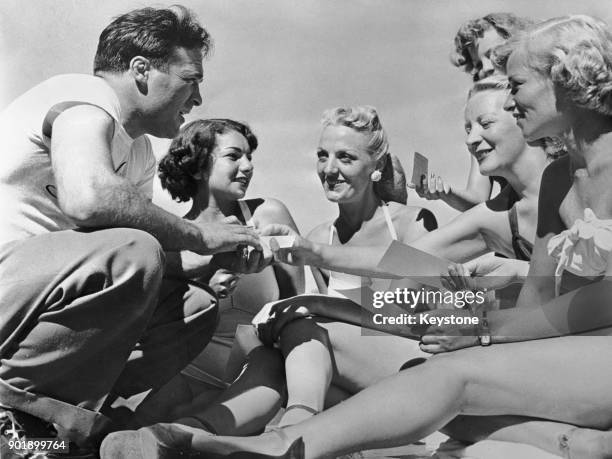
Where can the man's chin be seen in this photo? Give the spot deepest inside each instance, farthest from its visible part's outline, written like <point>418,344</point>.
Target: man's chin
<point>165,132</point>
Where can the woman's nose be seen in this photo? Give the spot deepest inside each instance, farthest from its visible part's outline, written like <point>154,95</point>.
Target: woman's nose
<point>509,104</point>
<point>246,165</point>
<point>486,68</point>
<point>331,167</point>
<point>473,139</point>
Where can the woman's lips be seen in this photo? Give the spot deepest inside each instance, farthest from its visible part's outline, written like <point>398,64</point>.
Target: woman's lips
<point>482,154</point>
<point>334,184</point>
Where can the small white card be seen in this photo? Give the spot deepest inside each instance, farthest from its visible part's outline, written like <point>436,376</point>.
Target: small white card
<point>284,242</point>
<point>407,261</point>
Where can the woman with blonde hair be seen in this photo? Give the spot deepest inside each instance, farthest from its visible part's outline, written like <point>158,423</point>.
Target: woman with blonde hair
<point>367,182</point>
<point>473,46</point>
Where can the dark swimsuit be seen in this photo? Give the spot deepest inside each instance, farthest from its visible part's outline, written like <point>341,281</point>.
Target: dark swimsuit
<point>506,201</point>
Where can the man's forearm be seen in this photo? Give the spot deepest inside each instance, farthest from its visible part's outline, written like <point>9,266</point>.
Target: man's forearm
<point>120,204</point>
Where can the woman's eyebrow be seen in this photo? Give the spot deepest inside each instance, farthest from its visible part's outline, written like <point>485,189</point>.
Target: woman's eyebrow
<point>233,148</point>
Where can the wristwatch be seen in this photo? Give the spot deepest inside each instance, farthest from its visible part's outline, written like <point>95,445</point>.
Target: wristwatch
<point>484,334</point>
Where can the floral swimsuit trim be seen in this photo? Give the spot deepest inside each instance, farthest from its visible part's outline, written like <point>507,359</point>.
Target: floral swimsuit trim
<point>583,249</point>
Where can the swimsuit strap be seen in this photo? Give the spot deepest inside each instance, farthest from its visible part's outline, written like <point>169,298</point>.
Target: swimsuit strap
<point>246,213</point>
<point>513,219</point>
<point>521,246</point>
<point>392,231</point>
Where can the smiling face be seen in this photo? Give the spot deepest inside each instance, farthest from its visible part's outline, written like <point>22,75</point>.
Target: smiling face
<point>532,100</point>
<point>232,167</point>
<point>345,164</point>
<point>480,53</point>
<point>493,137</point>
<point>172,93</point>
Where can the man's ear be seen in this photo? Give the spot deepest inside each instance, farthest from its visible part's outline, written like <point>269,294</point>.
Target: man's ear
<point>139,70</point>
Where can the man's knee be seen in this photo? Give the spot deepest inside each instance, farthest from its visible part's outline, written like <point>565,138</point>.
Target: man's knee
<point>140,249</point>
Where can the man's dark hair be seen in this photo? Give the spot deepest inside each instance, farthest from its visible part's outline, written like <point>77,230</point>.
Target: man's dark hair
<point>152,33</point>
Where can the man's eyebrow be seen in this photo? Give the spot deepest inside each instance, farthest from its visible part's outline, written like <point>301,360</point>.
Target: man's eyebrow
<point>191,73</point>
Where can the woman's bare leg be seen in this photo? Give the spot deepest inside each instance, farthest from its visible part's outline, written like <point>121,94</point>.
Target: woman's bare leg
<point>355,361</point>
<point>308,369</point>
<point>554,437</point>
<point>561,379</point>
<point>363,357</point>
<point>251,400</point>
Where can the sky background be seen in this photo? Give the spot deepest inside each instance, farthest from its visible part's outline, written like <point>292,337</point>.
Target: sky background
<point>278,64</point>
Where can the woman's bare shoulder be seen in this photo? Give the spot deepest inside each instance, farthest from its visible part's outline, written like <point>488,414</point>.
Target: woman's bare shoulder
<point>320,233</point>
<point>269,210</point>
<point>405,215</point>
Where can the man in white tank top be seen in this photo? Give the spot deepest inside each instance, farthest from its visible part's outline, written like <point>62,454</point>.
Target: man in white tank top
<point>82,248</point>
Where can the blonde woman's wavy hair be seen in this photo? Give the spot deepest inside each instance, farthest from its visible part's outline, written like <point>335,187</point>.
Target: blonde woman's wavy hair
<point>493,82</point>
<point>365,119</point>
<point>575,52</point>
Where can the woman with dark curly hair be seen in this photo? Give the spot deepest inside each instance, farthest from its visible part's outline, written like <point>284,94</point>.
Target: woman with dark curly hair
<point>210,163</point>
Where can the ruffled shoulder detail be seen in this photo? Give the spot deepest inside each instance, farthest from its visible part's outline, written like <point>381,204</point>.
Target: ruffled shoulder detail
<point>584,248</point>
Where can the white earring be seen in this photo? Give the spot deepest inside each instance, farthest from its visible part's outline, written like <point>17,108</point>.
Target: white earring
<point>376,176</point>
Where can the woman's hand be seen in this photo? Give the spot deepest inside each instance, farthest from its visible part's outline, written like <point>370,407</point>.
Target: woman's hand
<point>244,260</point>
<point>485,273</point>
<point>432,187</point>
<point>273,317</point>
<point>224,282</point>
<point>302,252</point>
<point>447,338</point>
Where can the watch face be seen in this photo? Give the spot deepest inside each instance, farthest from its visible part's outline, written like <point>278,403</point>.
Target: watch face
<point>485,340</point>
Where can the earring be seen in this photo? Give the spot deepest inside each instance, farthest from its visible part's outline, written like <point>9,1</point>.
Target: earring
<point>376,176</point>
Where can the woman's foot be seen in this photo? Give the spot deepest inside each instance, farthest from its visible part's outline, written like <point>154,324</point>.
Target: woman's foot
<point>579,443</point>
<point>273,444</point>
<point>159,441</point>
<point>166,441</point>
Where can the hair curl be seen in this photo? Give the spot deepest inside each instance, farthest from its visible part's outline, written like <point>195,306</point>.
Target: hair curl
<point>153,33</point>
<point>190,154</point>
<point>493,82</point>
<point>575,53</point>
<point>365,119</point>
<point>505,24</point>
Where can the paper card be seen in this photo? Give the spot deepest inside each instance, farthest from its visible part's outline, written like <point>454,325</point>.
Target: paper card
<point>419,169</point>
<point>283,241</point>
<point>406,261</point>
